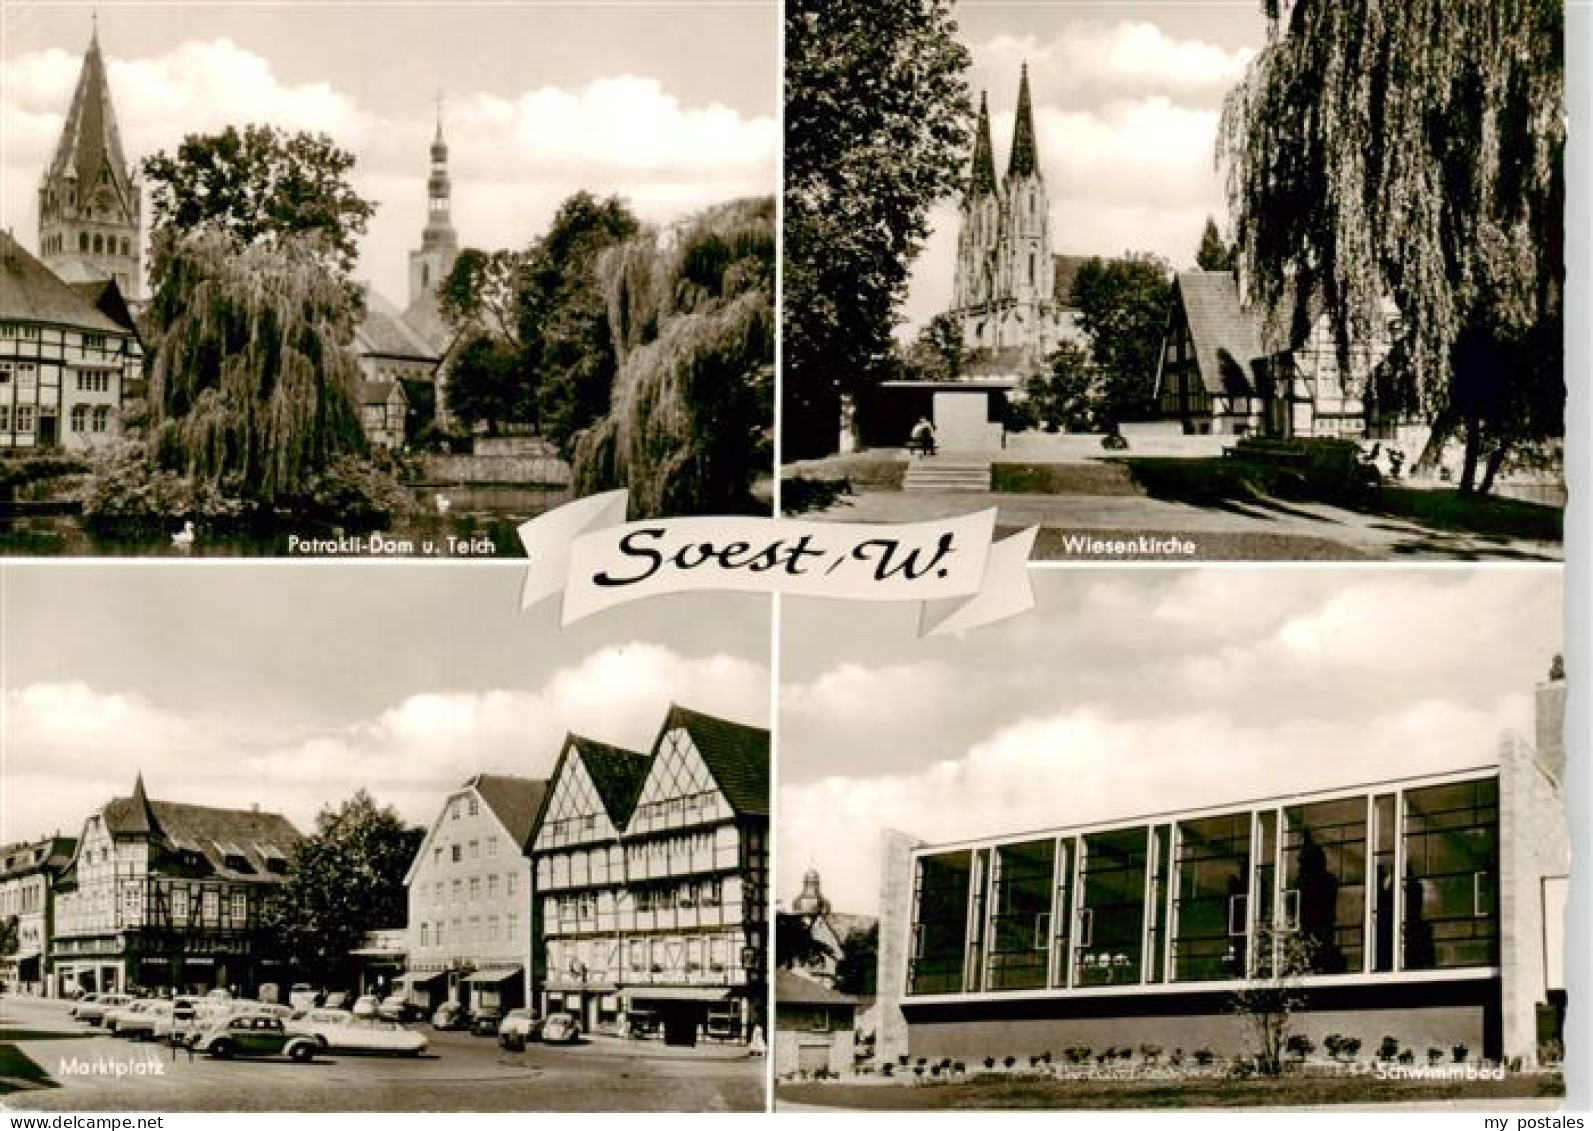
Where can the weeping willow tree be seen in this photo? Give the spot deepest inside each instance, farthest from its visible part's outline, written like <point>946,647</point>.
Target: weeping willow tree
<point>690,313</point>
<point>253,373</point>
<point>1411,150</point>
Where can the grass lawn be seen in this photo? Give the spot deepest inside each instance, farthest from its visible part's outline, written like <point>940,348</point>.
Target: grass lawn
<point>1222,483</point>
<point>1020,1092</point>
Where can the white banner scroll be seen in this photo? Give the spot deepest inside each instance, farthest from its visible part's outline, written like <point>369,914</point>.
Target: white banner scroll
<point>588,550</point>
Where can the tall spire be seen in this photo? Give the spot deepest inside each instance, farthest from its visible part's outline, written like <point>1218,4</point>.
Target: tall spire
<point>439,233</point>
<point>142,818</point>
<point>983,178</point>
<point>90,144</point>
<point>1023,162</point>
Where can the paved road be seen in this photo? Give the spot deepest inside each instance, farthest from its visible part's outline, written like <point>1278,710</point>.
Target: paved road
<point>1238,532</point>
<point>459,1073</point>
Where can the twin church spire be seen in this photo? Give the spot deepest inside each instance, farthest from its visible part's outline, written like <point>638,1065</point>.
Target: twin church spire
<point>1023,160</point>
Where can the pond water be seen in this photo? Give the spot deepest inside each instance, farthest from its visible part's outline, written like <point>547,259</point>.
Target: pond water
<point>458,535</point>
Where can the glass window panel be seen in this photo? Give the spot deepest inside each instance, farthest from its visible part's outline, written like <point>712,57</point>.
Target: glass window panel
<point>1450,882</point>
<point>1019,916</point>
<point>1111,920</point>
<point>940,923</point>
<point>1211,886</point>
<point>1324,854</point>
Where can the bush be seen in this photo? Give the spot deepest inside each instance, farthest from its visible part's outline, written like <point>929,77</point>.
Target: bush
<point>1009,1061</point>
<point>1299,1046</point>
<point>1388,1049</point>
<point>1434,1055</point>
<point>800,494</point>
<point>1204,1057</point>
<point>1459,1053</point>
<point>1077,1054</point>
<point>1241,1068</point>
<point>1406,1056</point>
<point>1150,1054</point>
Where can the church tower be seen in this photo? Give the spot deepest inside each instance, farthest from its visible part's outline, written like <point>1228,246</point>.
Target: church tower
<point>439,244</point>
<point>90,206</point>
<point>974,283</point>
<point>1028,276</point>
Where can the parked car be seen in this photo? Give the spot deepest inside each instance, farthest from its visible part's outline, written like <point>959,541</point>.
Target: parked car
<point>395,1007</point>
<point>114,1019</point>
<point>302,996</point>
<point>518,1027</point>
<point>364,1006</point>
<point>337,999</point>
<point>484,1022</point>
<point>93,1012</point>
<point>255,1034</point>
<point>450,1015</point>
<point>561,1029</point>
<point>338,1030</point>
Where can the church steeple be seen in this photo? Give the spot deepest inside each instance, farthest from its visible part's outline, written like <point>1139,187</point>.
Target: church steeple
<point>439,243</point>
<point>1023,162</point>
<point>89,202</point>
<point>141,820</point>
<point>983,178</point>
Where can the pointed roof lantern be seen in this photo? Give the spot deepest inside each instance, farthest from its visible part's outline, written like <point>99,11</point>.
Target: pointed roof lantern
<point>140,819</point>
<point>982,180</point>
<point>91,144</point>
<point>1023,162</point>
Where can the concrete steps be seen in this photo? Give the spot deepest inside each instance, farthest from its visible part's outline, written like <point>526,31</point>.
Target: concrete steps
<point>947,473</point>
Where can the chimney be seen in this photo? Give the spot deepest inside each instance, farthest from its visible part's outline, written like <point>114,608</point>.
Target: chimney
<point>1549,712</point>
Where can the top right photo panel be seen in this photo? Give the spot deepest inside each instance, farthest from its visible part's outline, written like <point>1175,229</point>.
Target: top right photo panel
<point>1183,281</point>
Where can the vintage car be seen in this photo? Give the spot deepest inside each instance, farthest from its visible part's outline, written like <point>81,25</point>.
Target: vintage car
<point>136,1019</point>
<point>338,1030</point>
<point>517,1028</point>
<point>93,1012</point>
<point>255,1034</point>
<point>561,1029</point>
<point>484,1022</point>
<point>395,1007</point>
<point>450,1015</point>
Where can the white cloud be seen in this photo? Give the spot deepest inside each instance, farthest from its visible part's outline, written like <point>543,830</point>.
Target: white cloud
<point>1099,60</point>
<point>512,160</point>
<point>70,747</point>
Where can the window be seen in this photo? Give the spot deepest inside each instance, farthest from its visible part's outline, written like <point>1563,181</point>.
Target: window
<point>510,884</point>
<point>80,418</point>
<point>453,809</point>
<point>82,241</point>
<point>91,342</point>
<point>475,888</point>
<point>94,381</point>
<point>211,905</point>
<point>492,886</point>
<point>240,908</point>
<point>5,418</point>
<point>27,375</point>
<point>492,928</point>
<point>1324,879</point>
<point>99,243</point>
<point>102,418</point>
<point>513,927</point>
<point>474,806</point>
<point>1111,918</point>
<point>24,418</point>
<point>1020,916</point>
<point>425,935</point>
<point>436,855</point>
<point>1211,879</point>
<point>457,853</point>
<point>940,923</point>
<point>458,889</point>
<point>492,846</point>
<point>5,373</point>
<point>1451,914</point>
<point>475,850</point>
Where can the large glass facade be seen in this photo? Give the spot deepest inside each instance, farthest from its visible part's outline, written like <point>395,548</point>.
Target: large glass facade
<point>1451,876</point>
<point>1371,884</point>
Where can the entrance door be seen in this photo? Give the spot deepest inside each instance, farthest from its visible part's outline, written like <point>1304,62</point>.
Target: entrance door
<point>49,428</point>
<point>680,1020</point>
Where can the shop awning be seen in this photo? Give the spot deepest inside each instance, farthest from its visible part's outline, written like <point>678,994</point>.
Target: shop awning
<point>421,977</point>
<point>572,986</point>
<point>678,993</point>
<point>492,977</point>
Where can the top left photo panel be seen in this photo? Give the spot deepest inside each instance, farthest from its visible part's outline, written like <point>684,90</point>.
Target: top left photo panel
<point>380,280</point>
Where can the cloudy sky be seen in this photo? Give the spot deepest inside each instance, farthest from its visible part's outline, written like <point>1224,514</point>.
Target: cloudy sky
<point>1126,99</point>
<point>294,685</point>
<point>673,105</point>
<point>1132,691</point>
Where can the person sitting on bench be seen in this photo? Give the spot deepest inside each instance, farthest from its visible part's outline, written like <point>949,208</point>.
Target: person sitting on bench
<point>922,439</point>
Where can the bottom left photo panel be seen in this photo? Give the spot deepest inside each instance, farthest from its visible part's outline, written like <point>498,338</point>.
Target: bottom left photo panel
<point>357,838</point>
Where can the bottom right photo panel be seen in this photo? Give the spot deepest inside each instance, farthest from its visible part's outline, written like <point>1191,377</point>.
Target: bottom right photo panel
<point>1177,838</point>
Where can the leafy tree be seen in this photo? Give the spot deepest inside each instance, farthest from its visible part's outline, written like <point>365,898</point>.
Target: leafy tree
<point>937,354</point>
<point>1122,306</point>
<point>10,935</point>
<point>1268,1001</point>
<point>562,314</point>
<point>344,881</point>
<point>1413,150</point>
<point>483,290</point>
<point>251,365</point>
<point>794,944</point>
<point>258,184</point>
<point>857,968</point>
<point>691,320</point>
<point>1215,253</point>
<point>1065,396</point>
<point>487,383</point>
<point>877,125</point>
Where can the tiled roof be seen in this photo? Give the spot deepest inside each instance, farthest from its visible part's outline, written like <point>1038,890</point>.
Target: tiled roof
<point>514,801</point>
<point>376,392</point>
<point>30,292</point>
<point>791,988</point>
<point>616,773</point>
<point>90,148</point>
<point>425,320</point>
<point>1225,334</point>
<point>207,830</point>
<point>383,331</point>
<point>106,297</point>
<point>736,755</point>
<point>50,852</point>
